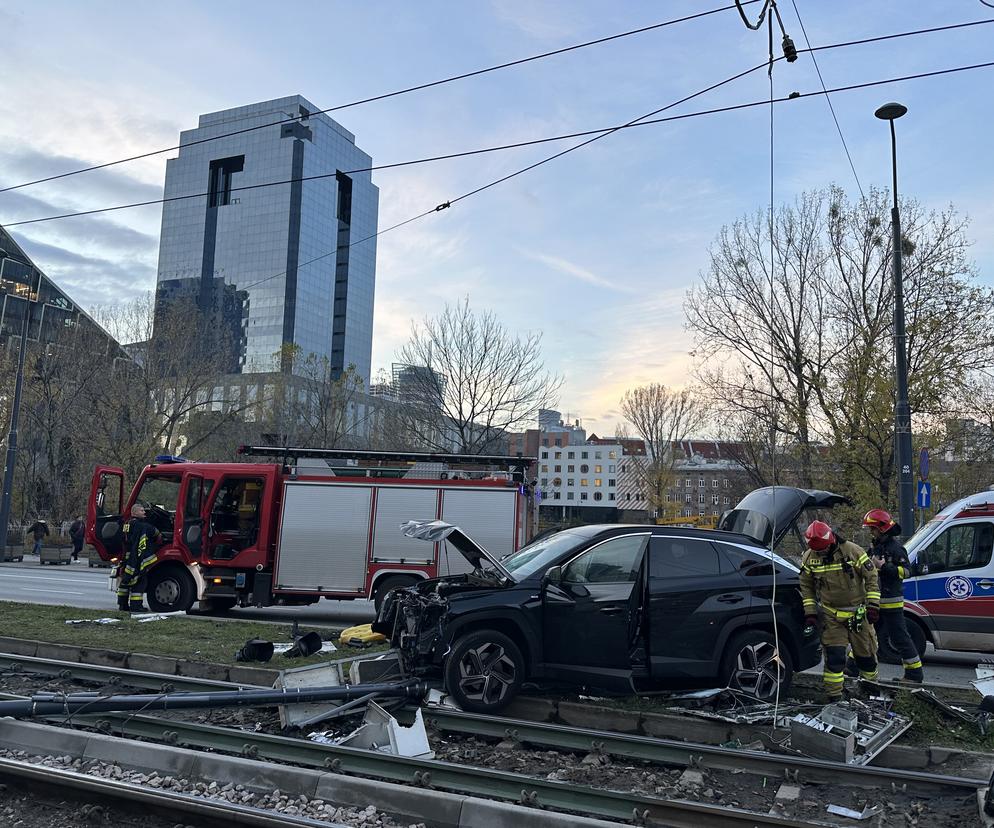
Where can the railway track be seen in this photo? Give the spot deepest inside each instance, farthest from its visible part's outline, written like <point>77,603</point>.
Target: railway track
<point>498,784</point>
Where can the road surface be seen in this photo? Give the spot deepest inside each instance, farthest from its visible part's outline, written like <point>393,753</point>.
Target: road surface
<point>79,586</point>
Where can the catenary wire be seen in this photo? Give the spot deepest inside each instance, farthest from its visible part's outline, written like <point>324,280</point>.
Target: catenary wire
<point>645,120</point>
<point>765,102</point>
<point>384,96</point>
<point>828,100</point>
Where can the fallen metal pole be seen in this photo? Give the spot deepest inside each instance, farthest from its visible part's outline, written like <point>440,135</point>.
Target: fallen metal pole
<point>48,704</point>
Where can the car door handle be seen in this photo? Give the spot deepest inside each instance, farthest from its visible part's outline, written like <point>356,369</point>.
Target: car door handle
<point>611,610</point>
<point>985,584</point>
<point>730,599</point>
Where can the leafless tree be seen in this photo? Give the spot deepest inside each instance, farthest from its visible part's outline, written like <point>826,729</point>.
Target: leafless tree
<point>471,381</point>
<point>662,417</point>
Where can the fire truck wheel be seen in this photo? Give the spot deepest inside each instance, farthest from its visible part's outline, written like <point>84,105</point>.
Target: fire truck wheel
<point>170,589</point>
<point>390,583</point>
<point>484,671</point>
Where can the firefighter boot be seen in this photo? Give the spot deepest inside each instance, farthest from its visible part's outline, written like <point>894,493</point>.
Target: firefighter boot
<point>122,600</point>
<point>135,603</point>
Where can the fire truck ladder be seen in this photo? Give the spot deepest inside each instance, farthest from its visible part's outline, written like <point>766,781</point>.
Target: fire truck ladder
<point>373,459</point>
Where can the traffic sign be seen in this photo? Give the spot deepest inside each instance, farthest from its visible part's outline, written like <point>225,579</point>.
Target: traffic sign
<point>923,464</point>
<point>924,494</point>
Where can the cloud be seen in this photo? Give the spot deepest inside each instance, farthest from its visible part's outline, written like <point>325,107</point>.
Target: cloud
<point>568,268</point>
<point>540,22</point>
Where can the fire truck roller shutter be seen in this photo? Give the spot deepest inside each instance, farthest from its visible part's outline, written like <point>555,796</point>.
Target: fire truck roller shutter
<point>324,537</point>
<point>486,515</point>
<point>394,506</point>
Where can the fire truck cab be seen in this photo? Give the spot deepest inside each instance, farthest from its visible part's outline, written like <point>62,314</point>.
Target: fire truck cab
<point>317,523</point>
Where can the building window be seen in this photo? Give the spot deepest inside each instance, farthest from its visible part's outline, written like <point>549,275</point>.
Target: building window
<point>702,513</point>
<point>725,482</point>
<point>597,481</point>
<point>714,499</point>
<point>545,482</point>
<point>688,497</point>
<point>700,483</point>
<point>583,495</point>
<point>583,455</point>
<point>545,468</point>
<point>597,455</point>
<point>612,455</point>
<point>598,469</point>
<point>640,496</point>
<point>714,483</point>
<point>559,456</point>
<point>598,495</point>
<point>687,513</point>
<point>545,455</point>
<point>584,481</point>
<point>545,442</point>
<point>558,481</point>
<point>628,496</point>
<point>559,441</point>
<point>686,483</point>
<point>558,468</point>
<point>570,455</point>
<point>610,468</point>
<point>569,495</point>
<point>623,467</point>
<point>221,173</point>
<point>610,495</point>
<point>714,512</point>
<point>555,495</point>
<point>610,481</point>
<point>669,497</point>
<point>571,482</point>
<point>584,468</point>
<point>571,469</point>
<point>727,501</point>
<point>700,497</point>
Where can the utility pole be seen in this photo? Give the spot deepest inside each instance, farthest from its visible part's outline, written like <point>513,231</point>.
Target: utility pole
<point>902,410</point>
<point>8,475</point>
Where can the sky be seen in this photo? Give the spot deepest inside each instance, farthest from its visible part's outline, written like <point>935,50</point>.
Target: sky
<point>595,250</point>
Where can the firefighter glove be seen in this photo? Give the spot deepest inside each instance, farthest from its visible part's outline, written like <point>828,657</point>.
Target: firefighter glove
<point>810,621</point>
<point>872,614</point>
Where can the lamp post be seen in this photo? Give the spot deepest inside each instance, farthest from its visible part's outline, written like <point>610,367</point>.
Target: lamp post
<point>902,410</point>
<point>8,475</point>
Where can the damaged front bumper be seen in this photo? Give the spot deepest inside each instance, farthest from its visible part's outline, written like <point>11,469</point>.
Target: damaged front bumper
<point>415,623</point>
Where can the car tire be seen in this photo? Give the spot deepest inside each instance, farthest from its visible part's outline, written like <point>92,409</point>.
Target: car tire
<point>484,671</point>
<point>170,589</point>
<point>748,664</point>
<point>388,585</point>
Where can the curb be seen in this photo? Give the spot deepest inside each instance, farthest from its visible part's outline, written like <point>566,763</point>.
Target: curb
<point>437,808</point>
<point>140,661</point>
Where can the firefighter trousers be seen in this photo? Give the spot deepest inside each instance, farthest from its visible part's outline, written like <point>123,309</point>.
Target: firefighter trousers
<point>894,628</point>
<point>131,593</point>
<point>836,638</point>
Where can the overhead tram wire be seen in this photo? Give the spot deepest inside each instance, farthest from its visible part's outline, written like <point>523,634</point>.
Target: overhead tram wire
<point>828,99</point>
<point>601,132</point>
<point>406,90</point>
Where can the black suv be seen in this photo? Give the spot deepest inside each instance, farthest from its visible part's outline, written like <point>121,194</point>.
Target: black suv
<point>613,607</point>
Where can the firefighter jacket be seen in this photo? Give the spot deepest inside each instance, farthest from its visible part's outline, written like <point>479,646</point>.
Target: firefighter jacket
<point>141,539</point>
<point>895,569</point>
<point>840,579</point>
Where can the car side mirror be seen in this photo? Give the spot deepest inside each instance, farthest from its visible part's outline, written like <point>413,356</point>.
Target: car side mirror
<point>553,575</point>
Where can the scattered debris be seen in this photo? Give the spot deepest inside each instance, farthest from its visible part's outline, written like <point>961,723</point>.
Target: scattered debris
<point>285,648</point>
<point>255,649</point>
<point>94,621</point>
<point>361,636</point>
<point>381,731</point>
<point>867,812</point>
<point>725,704</point>
<point>851,731</point>
<point>439,698</point>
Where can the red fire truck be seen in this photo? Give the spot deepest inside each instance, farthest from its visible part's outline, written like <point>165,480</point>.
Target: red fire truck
<point>310,523</point>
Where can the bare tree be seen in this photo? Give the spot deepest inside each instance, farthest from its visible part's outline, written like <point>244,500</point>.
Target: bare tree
<point>662,417</point>
<point>471,381</point>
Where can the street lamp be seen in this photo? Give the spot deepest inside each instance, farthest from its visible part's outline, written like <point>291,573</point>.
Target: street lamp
<point>902,410</point>
<point>8,475</point>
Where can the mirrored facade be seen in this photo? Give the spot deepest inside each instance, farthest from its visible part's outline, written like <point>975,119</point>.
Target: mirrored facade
<point>293,263</point>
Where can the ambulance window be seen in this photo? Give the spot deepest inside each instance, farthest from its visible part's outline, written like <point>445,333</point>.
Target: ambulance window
<point>961,547</point>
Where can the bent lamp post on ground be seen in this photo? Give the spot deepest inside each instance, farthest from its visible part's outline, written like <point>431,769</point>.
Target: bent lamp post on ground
<point>902,410</point>
<point>8,476</point>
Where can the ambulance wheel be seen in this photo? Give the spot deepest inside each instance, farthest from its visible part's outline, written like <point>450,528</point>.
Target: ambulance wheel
<point>389,584</point>
<point>484,671</point>
<point>750,664</point>
<point>170,589</point>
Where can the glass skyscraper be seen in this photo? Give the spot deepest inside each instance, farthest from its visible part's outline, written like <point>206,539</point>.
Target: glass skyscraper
<point>293,263</point>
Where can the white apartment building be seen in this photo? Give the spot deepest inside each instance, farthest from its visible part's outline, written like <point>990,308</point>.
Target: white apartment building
<point>584,476</point>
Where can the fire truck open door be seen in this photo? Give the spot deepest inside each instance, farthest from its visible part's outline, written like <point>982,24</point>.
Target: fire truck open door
<point>105,512</point>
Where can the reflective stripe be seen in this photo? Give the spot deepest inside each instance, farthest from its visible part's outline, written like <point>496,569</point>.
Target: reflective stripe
<point>833,678</point>
<point>871,595</point>
<point>862,559</point>
<point>902,572</point>
<point>892,604</point>
<point>148,562</point>
<point>913,665</point>
<point>810,602</point>
<point>825,568</point>
<point>838,613</point>
<point>869,676</point>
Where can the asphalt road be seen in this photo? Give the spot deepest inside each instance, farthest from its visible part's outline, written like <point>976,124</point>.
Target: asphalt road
<point>77,585</point>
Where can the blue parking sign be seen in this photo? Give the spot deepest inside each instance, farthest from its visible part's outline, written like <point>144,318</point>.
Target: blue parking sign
<point>924,494</point>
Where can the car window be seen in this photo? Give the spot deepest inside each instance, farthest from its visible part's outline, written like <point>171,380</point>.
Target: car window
<point>966,546</point>
<point>540,555</point>
<point>615,561</point>
<point>683,557</point>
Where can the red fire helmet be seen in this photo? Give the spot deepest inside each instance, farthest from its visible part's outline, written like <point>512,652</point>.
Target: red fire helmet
<point>878,518</point>
<point>819,536</point>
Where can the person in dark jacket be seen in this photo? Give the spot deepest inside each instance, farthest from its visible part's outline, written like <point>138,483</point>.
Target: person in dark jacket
<point>891,560</point>
<point>39,531</point>
<point>77,532</point>
<point>141,539</point>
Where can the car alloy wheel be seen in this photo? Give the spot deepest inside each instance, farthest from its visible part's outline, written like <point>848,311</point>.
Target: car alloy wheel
<point>485,673</point>
<point>758,670</point>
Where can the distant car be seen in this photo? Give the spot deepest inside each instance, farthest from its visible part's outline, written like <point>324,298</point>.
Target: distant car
<point>613,607</point>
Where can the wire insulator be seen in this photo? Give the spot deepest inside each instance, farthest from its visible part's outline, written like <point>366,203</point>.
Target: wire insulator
<point>789,49</point>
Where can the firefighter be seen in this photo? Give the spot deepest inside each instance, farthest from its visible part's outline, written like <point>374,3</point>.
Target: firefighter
<point>839,576</point>
<point>141,539</point>
<point>891,560</point>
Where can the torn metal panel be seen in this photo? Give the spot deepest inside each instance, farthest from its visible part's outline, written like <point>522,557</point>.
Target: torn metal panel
<point>381,731</point>
<point>853,731</point>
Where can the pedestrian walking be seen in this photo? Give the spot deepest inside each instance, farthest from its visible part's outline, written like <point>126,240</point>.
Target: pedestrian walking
<point>891,560</point>
<point>141,539</point>
<point>77,533</point>
<point>838,578</point>
<point>39,531</point>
